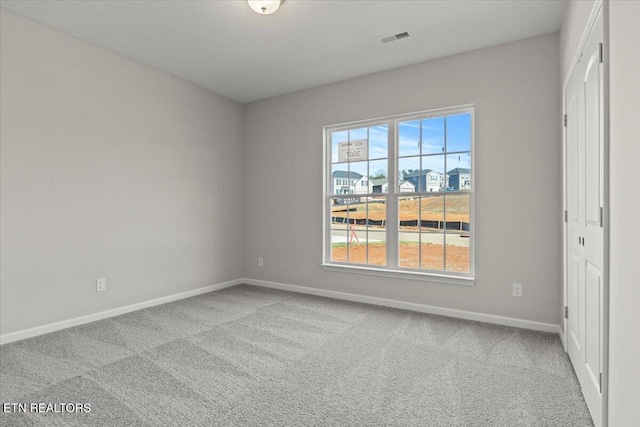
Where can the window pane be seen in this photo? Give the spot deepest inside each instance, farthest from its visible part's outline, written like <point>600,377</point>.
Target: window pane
<point>377,247</point>
<point>432,257</point>
<point>345,181</point>
<point>409,171</point>
<point>349,230</point>
<point>358,174</point>
<point>339,245</point>
<point>336,139</point>
<point>363,185</point>
<point>433,177</point>
<point>377,213</point>
<point>339,214</point>
<point>348,146</point>
<point>408,238</point>
<point>359,183</point>
<point>458,228</point>
<point>458,212</point>
<point>339,178</point>
<point>357,233</point>
<point>459,132</point>
<point>376,231</point>
<point>432,213</point>
<point>459,171</point>
<point>378,176</point>
<point>378,142</point>
<point>408,249</point>
<point>408,212</point>
<point>340,219</point>
<point>433,135</point>
<point>458,255</point>
<point>409,138</point>
<point>357,250</point>
<point>354,150</point>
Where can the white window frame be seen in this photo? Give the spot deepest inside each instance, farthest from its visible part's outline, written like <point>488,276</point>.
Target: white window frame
<point>392,269</point>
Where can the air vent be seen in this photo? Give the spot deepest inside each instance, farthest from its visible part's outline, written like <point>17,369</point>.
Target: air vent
<point>394,37</point>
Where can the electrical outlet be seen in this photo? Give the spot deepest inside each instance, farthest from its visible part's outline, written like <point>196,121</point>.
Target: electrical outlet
<point>260,262</point>
<point>517,290</point>
<point>101,284</point>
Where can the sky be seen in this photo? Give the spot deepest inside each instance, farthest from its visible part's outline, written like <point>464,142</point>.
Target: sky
<point>418,140</point>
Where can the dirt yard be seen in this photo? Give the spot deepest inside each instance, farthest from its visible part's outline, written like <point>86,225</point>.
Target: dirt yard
<point>432,255</point>
<point>431,209</point>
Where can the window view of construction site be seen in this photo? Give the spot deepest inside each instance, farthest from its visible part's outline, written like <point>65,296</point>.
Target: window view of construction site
<point>431,196</point>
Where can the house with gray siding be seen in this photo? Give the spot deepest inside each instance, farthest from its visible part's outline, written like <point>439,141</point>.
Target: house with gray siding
<point>460,179</point>
<point>426,180</point>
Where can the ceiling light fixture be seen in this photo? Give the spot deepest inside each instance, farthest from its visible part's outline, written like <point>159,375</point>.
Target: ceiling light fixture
<point>265,7</point>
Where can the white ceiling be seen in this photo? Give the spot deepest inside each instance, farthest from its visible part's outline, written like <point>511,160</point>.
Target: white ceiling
<point>227,48</point>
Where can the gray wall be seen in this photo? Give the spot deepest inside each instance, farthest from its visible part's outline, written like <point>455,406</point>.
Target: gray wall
<point>624,272</point>
<point>516,90</point>
<point>109,169</point>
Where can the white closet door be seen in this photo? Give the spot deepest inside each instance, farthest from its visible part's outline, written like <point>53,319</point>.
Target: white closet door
<point>584,193</point>
<point>593,230</point>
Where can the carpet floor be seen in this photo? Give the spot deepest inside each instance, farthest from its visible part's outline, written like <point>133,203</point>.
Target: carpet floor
<point>250,356</point>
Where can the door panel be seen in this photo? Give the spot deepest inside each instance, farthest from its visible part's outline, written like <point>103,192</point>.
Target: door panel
<point>573,272</point>
<point>592,345</point>
<point>593,341</point>
<point>593,139</point>
<point>572,159</point>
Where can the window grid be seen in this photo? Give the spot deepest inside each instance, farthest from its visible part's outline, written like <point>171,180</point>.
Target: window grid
<point>392,227</point>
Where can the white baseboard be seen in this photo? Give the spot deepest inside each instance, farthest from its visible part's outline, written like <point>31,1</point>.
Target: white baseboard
<point>460,314</point>
<point>52,327</point>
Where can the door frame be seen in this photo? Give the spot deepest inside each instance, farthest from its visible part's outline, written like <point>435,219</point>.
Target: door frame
<point>599,7</point>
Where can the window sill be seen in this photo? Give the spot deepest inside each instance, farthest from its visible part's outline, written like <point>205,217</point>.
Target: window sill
<point>402,274</point>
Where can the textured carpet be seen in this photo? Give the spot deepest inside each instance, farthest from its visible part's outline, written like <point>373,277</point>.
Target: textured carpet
<point>249,356</point>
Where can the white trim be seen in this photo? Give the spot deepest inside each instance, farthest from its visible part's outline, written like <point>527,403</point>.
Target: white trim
<point>423,276</point>
<point>449,312</point>
<point>52,327</point>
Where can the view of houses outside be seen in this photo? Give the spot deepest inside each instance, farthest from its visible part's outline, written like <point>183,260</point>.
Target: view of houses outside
<point>345,182</point>
<point>433,206</point>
